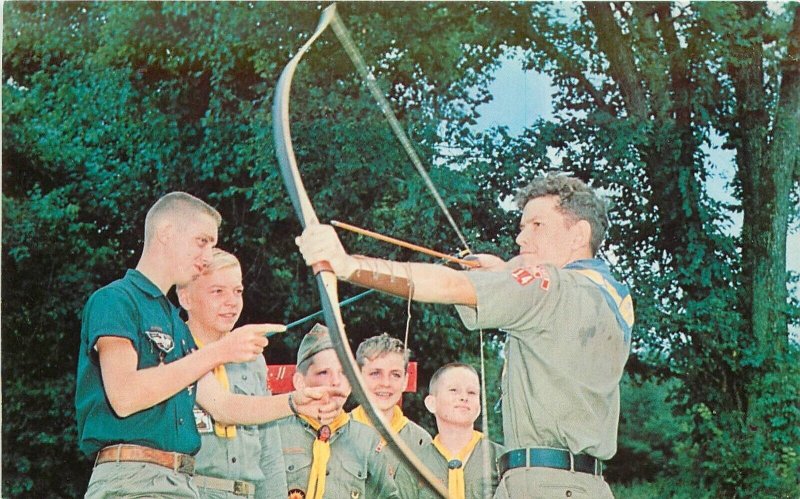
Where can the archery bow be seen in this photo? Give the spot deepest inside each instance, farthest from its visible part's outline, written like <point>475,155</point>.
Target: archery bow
<point>324,275</point>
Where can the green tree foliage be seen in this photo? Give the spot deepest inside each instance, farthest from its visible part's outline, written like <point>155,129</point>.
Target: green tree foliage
<point>644,91</point>
<point>107,106</point>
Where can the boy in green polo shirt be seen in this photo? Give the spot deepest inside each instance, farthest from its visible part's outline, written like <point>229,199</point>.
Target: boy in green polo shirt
<point>139,371</point>
<point>461,457</point>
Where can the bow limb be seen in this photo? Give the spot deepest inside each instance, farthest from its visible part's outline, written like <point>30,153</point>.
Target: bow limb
<point>326,279</point>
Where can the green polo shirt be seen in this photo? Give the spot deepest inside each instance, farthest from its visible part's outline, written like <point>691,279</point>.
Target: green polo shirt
<point>133,308</point>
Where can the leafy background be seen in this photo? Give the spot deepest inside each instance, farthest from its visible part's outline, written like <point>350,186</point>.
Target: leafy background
<point>107,106</point>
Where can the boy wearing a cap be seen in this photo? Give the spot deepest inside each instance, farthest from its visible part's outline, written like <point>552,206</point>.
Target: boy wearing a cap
<point>462,458</point>
<point>341,459</point>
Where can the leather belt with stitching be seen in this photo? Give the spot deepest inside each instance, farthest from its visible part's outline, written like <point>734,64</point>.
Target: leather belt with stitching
<point>235,487</point>
<point>543,457</point>
<point>182,463</point>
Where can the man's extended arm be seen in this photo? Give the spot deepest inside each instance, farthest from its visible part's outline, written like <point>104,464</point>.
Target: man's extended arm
<point>426,282</point>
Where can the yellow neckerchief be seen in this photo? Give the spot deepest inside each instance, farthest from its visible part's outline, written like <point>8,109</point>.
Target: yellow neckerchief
<point>220,430</point>
<point>320,454</point>
<point>455,476</point>
<point>398,422</point>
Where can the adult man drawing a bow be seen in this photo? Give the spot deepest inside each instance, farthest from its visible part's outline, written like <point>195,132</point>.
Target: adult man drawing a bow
<point>568,323</point>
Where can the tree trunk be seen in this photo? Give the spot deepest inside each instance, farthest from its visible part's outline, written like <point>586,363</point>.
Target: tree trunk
<point>767,158</point>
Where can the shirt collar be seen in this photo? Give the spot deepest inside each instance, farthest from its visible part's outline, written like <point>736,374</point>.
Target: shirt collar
<point>143,283</point>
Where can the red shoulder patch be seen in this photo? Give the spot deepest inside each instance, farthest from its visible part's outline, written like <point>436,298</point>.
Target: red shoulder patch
<point>525,276</point>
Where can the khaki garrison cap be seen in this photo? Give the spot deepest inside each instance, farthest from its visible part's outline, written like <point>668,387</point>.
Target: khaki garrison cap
<point>313,343</point>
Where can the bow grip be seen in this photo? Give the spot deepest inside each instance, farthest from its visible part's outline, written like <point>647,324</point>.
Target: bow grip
<point>322,266</point>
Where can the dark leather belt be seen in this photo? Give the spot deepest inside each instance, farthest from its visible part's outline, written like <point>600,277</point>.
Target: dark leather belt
<point>539,457</point>
<point>182,463</point>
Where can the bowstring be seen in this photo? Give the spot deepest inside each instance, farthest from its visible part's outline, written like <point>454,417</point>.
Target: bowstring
<point>355,56</point>
<point>352,51</point>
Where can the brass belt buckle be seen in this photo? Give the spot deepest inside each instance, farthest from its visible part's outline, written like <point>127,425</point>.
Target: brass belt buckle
<point>185,464</point>
<point>241,488</point>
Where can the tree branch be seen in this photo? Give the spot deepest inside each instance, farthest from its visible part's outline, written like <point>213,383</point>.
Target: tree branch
<point>617,48</point>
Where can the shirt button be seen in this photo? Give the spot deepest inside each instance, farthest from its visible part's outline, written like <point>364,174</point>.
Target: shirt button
<point>180,420</point>
<point>291,467</point>
<point>244,376</point>
<point>233,459</point>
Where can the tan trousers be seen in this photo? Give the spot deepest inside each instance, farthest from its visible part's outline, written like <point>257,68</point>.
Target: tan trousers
<point>548,483</point>
<point>131,480</point>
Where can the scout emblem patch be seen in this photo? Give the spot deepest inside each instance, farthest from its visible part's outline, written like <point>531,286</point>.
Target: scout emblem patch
<point>203,421</point>
<point>296,494</point>
<point>161,339</point>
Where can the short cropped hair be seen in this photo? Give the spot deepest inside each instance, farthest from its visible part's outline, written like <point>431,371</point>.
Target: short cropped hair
<point>576,200</point>
<point>180,204</point>
<point>381,345</point>
<point>220,259</point>
<point>447,367</point>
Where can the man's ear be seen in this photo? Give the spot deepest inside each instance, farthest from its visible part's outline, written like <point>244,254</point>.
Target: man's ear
<point>164,232</point>
<point>430,404</point>
<point>581,234</point>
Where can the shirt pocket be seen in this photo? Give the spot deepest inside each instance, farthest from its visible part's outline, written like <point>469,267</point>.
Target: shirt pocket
<point>352,480</point>
<point>298,469</point>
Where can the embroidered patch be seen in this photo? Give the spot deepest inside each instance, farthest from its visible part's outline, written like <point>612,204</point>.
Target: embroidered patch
<point>297,494</point>
<point>526,276</point>
<point>523,276</point>
<point>203,421</point>
<point>162,340</point>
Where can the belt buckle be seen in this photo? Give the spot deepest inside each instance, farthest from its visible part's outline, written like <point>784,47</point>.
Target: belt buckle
<point>185,464</point>
<point>241,488</point>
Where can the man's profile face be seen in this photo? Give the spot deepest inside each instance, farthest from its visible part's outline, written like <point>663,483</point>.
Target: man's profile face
<point>545,234</point>
<point>190,245</point>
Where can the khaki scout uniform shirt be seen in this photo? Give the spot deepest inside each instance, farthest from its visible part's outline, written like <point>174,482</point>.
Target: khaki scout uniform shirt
<point>412,487</point>
<point>565,351</point>
<point>254,455</point>
<point>414,436</point>
<point>356,469</point>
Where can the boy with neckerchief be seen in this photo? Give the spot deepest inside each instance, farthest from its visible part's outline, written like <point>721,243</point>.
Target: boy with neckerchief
<point>458,455</point>
<point>384,365</point>
<point>339,459</point>
<point>234,461</point>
